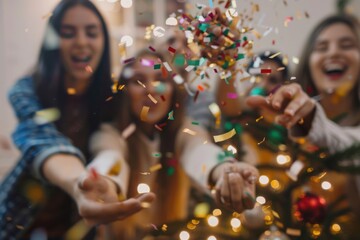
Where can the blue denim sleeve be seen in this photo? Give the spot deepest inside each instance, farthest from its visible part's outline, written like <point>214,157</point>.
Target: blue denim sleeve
<point>36,141</point>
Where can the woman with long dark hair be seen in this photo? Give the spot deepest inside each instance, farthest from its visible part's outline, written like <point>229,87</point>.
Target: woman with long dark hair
<point>71,79</point>
<point>324,107</point>
<point>159,147</point>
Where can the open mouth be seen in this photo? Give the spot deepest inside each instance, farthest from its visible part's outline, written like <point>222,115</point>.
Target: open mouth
<point>81,61</point>
<point>334,71</point>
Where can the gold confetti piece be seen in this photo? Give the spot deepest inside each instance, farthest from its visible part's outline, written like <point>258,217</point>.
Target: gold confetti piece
<point>256,34</point>
<point>275,214</point>
<point>156,167</point>
<point>275,55</point>
<point>215,110</point>
<point>47,115</point>
<point>152,98</point>
<point>258,119</point>
<point>115,169</point>
<point>71,91</point>
<point>145,173</point>
<point>121,87</point>
<point>261,141</point>
<point>225,136</point>
<point>188,131</point>
<point>164,227</point>
<point>139,82</point>
<point>301,121</point>
<point>122,49</point>
<point>293,232</point>
<point>108,99</point>
<point>128,131</point>
<point>280,69</point>
<point>144,113</point>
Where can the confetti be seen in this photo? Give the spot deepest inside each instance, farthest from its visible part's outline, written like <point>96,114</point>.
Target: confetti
<point>147,62</point>
<point>152,98</point>
<point>89,69</point>
<point>190,132</point>
<point>152,49</point>
<point>159,32</point>
<point>231,95</point>
<point>275,55</point>
<point>171,49</point>
<point>141,84</point>
<point>156,167</point>
<point>295,169</point>
<point>144,113</point>
<point>171,115</point>
<point>293,232</point>
<point>259,118</point>
<point>71,91</point>
<point>46,116</point>
<point>163,98</point>
<point>263,71</point>
<point>128,130</point>
<point>129,60</point>
<point>261,141</point>
<point>178,79</point>
<point>196,95</point>
<point>215,111</point>
<point>167,66</point>
<point>225,136</point>
<point>195,123</point>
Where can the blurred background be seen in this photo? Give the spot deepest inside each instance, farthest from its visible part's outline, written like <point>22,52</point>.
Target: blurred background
<point>283,25</point>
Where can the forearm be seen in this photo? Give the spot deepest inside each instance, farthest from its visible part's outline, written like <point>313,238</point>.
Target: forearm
<point>63,171</point>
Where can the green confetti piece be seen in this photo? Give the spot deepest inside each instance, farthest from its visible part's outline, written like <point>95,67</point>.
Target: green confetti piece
<point>171,115</point>
<point>194,62</point>
<point>225,65</point>
<point>245,38</point>
<point>226,32</point>
<point>202,61</point>
<point>157,154</point>
<point>160,88</point>
<point>157,66</point>
<point>179,60</point>
<point>203,26</point>
<point>170,171</point>
<point>240,56</point>
<point>195,123</point>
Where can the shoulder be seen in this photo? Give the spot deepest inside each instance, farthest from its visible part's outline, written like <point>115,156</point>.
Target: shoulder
<point>23,85</point>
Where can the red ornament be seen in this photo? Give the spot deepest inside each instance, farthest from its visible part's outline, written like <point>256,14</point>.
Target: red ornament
<point>310,208</point>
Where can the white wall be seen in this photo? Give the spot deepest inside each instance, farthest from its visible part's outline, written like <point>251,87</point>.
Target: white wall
<point>22,26</point>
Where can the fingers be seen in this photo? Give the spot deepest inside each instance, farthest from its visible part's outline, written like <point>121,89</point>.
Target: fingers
<point>236,185</point>
<point>301,114</point>
<point>259,102</point>
<point>99,213</point>
<point>283,94</point>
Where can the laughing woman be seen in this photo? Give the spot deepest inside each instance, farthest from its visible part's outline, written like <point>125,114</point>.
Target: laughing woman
<point>330,73</point>
<point>73,76</point>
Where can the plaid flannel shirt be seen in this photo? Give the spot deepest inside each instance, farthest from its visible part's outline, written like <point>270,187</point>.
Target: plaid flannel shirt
<point>36,143</point>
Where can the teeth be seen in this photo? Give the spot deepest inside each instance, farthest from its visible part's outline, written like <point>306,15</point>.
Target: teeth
<point>334,67</point>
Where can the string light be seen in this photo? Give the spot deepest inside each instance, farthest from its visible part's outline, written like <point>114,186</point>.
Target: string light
<point>235,222</point>
<point>213,221</point>
<point>326,185</point>
<point>264,180</point>
<point>216,212</point>
<point>261,200</point>
<point>143,188</point>
<point>282,159</point>
<point>211,238</point>
<point>275,184</point>
<point>184,235</point>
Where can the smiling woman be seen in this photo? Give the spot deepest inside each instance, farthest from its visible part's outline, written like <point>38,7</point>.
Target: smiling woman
<point>72,77</point>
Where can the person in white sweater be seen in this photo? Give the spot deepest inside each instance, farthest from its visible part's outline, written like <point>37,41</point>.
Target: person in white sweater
<point>153,143</point>
<point>328,113</point>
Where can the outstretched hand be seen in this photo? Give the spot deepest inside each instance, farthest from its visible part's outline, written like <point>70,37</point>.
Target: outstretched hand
<point>290,104</point>
<point>98,203</point>
<point>235,186</point>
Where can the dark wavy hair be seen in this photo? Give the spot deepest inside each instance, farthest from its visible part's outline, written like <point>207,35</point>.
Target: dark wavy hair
<point>49,72</point>
<point>303,73</point>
